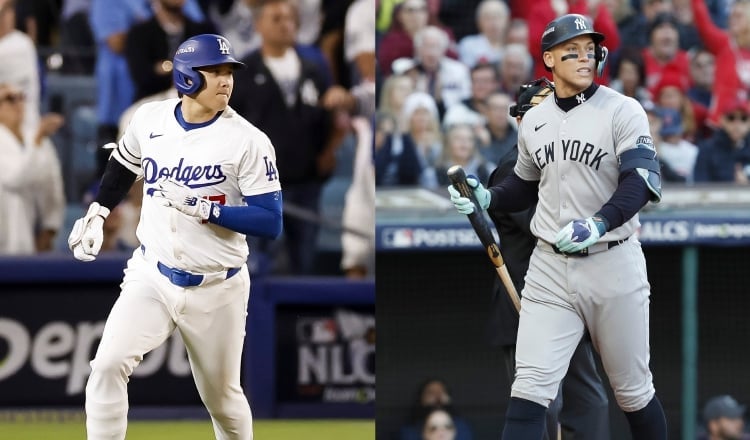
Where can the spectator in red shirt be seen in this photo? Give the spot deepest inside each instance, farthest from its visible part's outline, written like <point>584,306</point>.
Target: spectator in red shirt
<point>664,50</point>
<point>732,51</point>
<point>671,92</point>
<point>544,11</point>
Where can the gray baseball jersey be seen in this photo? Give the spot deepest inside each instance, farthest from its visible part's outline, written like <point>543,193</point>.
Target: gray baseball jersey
<point>574,156</point>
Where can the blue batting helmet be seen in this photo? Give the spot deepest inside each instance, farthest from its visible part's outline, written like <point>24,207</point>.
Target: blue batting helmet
<point>199,51</point>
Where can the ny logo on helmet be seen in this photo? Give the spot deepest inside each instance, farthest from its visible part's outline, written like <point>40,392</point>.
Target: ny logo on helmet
<point>580,23</point>
<point>223,46</point>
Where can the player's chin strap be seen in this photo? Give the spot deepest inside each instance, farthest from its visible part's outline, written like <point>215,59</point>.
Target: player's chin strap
<point>601,60</point>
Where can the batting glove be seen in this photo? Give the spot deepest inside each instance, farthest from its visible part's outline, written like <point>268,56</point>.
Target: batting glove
<point>463,204</point>
<point>87,236</point>
<point>580,234</point>
<point>175,195</point>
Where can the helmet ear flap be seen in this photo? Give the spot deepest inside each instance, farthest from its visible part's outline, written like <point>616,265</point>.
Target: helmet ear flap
<point>600,53</point>
<point>186,80</point>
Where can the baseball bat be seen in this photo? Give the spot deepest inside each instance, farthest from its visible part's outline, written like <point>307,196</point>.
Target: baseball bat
<point>457,177</point>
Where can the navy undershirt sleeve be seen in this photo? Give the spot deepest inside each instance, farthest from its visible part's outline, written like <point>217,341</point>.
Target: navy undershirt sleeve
<point>262,217</point>
<point>514,194</point>
<point>115,184</point>
<point>631,195</point>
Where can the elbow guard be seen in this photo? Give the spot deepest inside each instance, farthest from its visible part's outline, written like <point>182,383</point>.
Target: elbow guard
<point>643,159</point>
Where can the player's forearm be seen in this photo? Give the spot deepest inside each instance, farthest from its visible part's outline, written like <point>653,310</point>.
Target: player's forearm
<point>513,194</point>
<point>116,183</point>
<point>630,196</point>
<point>261,218</point>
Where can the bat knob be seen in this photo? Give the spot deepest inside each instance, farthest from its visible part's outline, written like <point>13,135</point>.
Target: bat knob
<point>456,174</point>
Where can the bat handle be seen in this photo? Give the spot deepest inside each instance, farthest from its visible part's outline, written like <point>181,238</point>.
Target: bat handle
<point>457,176</point>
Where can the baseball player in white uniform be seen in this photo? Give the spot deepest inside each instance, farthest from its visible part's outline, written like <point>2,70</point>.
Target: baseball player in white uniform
<point>588,158</point>
<point>209,179</point>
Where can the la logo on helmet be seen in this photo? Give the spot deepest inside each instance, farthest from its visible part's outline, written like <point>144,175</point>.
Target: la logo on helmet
<point>223,46</point>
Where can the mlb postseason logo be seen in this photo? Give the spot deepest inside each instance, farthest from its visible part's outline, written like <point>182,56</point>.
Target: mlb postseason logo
<point>223,46</point>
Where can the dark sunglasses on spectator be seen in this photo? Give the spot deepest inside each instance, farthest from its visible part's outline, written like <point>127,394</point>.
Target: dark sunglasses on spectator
<point>13,98</point>
<point>736,117</point>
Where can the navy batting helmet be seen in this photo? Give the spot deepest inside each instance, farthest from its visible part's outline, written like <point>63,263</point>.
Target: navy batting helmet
<point>567,27</point>
<point>570,26</point>
<point>199,51</point>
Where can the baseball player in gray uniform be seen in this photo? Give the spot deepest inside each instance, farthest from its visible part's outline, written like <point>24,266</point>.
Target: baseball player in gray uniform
<point>588,158</point>
<point>209,180</point>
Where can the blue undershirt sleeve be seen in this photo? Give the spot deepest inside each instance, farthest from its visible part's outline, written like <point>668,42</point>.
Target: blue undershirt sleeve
<point>631,195</point>
<point>514,194</point>
<point>262,217</point>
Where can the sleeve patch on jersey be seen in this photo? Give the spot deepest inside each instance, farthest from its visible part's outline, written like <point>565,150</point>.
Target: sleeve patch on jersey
<point>645,142</point>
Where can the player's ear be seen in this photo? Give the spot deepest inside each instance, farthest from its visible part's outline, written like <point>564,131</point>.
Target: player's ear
<point>549,60</point>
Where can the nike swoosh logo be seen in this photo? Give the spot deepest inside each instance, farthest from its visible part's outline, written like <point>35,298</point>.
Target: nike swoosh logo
<point>537,127</point>
<point>152,135</point>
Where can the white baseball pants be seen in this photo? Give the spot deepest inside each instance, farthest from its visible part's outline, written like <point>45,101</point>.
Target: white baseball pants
<point>210,319</point>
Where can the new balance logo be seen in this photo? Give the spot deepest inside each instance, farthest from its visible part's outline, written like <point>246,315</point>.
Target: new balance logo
<point>538,127</point>
<point>152,135</point>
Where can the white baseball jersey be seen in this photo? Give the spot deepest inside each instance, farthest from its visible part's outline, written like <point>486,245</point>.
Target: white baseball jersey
<point>574,155</point>
<point>31,191</point>
<point>222,160</point>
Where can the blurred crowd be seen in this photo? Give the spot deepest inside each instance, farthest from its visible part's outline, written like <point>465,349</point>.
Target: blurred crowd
<point>449,69</point>
<point>309,84</point>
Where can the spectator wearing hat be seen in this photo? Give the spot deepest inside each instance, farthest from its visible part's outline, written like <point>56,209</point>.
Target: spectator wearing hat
<point>732,51</point>
<point>654,123</point>
<point>673,150</point>
<point>421,121</point>
<point>724,419</point>
<point>671,92</point>
<point>725,157</point>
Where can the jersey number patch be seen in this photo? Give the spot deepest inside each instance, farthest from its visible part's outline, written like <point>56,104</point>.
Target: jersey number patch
<point>270,170</point>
